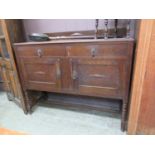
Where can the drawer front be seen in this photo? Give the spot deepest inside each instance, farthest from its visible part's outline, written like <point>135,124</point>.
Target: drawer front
<point>97,77</point>
<point>41,50</point>
<point>41,74</point>
<point>113,50</point>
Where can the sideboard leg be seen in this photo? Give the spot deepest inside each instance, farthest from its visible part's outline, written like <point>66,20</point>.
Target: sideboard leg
<point>124,115</point>
<point>28,100</point>
<point>25,112</point>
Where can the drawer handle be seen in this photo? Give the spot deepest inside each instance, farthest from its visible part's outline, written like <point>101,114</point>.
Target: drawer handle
<point>39,52</point>
<point>93,52</point>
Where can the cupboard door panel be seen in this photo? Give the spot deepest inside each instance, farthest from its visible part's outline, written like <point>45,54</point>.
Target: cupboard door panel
<point>97,76</point>
<point>41,74</point>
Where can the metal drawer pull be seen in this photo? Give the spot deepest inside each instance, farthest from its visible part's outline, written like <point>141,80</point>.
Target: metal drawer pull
<point>93,52</point>
<point>39,52</point>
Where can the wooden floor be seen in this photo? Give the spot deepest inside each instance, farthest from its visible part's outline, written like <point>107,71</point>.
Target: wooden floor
<point>4,131</point>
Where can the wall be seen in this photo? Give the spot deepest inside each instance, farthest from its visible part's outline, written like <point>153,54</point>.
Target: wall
<point>61,25</point>
<point>57,25</point>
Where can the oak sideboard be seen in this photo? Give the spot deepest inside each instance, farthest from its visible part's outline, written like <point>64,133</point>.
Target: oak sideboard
<point>85,67</point>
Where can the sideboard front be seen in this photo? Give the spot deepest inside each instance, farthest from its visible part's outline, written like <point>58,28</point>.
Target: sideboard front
<point>99,69</point>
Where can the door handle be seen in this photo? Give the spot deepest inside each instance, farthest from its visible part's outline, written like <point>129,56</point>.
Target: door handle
<point>58,71</point>
<point>74,75</point>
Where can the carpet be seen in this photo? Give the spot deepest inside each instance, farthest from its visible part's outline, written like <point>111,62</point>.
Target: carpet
<point>50,120</point>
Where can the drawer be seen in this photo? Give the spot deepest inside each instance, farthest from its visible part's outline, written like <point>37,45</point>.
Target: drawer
<point>41,50</point>
<point>113,50</point>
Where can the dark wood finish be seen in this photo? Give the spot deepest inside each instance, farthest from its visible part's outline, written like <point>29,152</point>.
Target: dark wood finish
<point>41,74</point>
<point>82,102</point>
<point>97,76</point>
<point>98,50</point>
<point>142,109</point>
<point>10,31</point>
<point>89,68</point>
<point>42,50</point>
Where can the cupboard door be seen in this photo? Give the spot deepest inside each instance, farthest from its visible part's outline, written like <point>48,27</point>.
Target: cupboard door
<point>98,77</point>
<point>43,74</point>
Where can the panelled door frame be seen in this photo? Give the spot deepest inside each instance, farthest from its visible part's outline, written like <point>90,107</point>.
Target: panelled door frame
<point>43,61</point>
<point>108,62</point>
<point>141,60</point>
<point>10,51</point>
<point>6,68</point>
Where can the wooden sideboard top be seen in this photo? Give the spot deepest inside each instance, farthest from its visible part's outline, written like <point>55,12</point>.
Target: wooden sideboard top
<point>77,41</point>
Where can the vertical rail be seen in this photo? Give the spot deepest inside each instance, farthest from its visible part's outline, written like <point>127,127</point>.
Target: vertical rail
<point>116,23</point>
<point>96,27</point>
<point>128,28</point>
<point>106,29</point>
